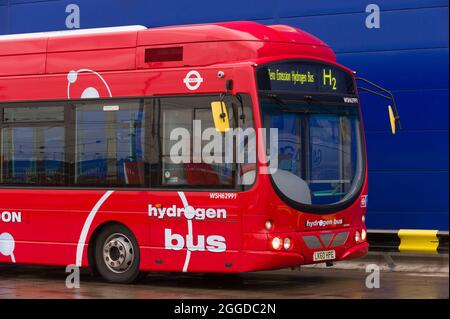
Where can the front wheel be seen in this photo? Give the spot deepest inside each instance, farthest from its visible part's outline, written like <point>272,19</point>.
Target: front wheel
<point>117,254</point>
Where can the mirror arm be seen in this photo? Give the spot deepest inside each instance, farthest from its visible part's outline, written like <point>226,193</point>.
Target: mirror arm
<point>374,92</point>
<point>222,114</point>
<point>228,88</point>
<point>389,96</point>
<point>239,98</point>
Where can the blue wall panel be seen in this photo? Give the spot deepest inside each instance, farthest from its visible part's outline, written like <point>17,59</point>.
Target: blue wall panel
<point>421,199</point>
<point>347,32</point>
<point>402,69</point>
<point>50,15</point>
<point>421,110</point>
<point>408,173</point>
<point>409,220</point>
<point>425,150</point>
<point>3,18</point>
<point>289,8</point>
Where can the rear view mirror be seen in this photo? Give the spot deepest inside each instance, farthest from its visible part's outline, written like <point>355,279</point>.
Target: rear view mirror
<point>392,119</point>
<point>220,116</point>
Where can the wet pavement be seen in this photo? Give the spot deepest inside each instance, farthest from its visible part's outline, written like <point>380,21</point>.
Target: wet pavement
<point>49,282</point>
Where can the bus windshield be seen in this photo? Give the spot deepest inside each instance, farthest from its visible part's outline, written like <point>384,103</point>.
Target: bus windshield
<point>316,111</point>
<point>319,150</point>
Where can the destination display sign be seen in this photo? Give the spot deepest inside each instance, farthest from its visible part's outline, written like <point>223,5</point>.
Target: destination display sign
<point>308,77</point>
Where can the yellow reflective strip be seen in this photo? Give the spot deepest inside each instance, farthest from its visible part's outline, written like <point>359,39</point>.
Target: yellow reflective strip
<point>418,241</point>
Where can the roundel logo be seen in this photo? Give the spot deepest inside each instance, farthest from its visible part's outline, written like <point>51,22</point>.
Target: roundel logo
<point>193,80</point>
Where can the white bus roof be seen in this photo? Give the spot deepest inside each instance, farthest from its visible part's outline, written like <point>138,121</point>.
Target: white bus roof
<point>52,34</point>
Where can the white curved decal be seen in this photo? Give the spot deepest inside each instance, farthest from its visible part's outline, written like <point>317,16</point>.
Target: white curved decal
<point>87,226</point>
<point>90,92</point>
<point>174,241</point>
<point>7,245</point>
<point>189,213</point>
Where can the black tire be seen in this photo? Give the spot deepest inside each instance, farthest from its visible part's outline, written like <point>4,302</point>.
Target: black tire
<point>122,239</point>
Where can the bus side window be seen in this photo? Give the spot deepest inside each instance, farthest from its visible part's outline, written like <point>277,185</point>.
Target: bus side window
<point>109,144</point>
<point>191,152</point>
<point>33,145</point>
<point>122,143</point>
<point>182,124</point>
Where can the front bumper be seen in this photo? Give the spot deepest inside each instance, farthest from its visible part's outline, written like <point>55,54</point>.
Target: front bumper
<point>303,248</point>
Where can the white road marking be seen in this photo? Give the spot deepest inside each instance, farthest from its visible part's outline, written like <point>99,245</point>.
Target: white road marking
<point>416,274</point>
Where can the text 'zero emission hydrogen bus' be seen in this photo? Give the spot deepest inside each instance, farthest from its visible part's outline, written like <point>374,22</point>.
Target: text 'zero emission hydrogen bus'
<point>106,160</point>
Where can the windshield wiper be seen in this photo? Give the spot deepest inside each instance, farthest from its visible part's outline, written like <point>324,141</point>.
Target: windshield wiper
<point>277,100</point>
<point>308,99</point>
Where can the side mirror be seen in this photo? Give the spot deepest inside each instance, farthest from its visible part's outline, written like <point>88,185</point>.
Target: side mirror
<point>392,119</point>
<point>220,115</point>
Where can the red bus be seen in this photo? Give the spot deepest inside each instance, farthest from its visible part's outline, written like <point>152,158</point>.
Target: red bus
<point>87,176</point>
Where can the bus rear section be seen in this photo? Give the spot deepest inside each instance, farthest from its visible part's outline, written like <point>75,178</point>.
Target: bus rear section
<point>211,148</point>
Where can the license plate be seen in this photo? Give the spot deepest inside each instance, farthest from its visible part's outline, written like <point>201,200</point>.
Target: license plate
<point>324,255</point>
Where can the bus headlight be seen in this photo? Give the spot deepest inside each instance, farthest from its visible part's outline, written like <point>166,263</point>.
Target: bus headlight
<point>357,237</point>
<point>287,243</point>
<point>363,234</point>
<point>276,243</point>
